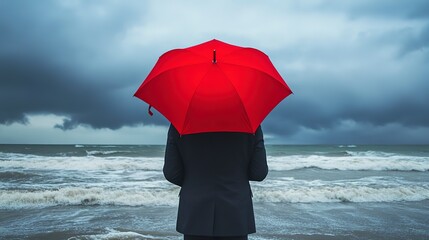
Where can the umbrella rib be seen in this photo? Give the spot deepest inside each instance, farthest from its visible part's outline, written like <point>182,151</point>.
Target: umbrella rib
<point>241,101</point>
<point>171,69</point>
<point>193,95</point>
<point>263,72</point>
<point>256,69</point>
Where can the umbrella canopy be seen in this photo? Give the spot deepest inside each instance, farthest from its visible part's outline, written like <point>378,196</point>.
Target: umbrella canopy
<point>214,87</point>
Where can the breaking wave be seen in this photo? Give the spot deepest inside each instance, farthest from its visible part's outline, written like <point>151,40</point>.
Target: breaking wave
<point>102,153</point>
<point>286,190</point>
<point>368,189</point>
<point>35,162</point>
<point>86,196</point>
<point>103,160</point>
<point>377,161</point>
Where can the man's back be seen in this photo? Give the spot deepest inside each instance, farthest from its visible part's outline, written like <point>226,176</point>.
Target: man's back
<point>214,170</point>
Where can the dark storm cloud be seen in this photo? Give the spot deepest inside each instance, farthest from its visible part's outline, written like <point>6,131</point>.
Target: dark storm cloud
<point>323,107</point>
<point>411,38</point>
<point>416,42</point>
<point>62,60</point>
<point>75,59</point>
<point>355,82</point>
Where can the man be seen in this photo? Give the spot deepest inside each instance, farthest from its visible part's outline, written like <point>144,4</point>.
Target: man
<point>213,170</point>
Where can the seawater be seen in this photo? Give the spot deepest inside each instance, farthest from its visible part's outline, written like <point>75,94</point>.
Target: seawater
<point>119,192</point>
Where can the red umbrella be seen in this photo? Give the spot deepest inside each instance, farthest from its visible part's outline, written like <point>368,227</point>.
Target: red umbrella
<point>214,87</point>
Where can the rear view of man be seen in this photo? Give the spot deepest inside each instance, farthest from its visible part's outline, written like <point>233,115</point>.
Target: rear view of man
<point>214,170</point>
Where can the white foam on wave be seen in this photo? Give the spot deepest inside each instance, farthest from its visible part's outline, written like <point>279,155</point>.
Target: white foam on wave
<point>6,156</point>
<point>347,146</point>
<point>377,161</point>
<point>281,190</point>
<point>367,189</point>
<point>342,194</point>
<point>95,152</point>
<point>92,163</point>
<point>95,146</point>
<point>372,154</point>
<point>12,199</point>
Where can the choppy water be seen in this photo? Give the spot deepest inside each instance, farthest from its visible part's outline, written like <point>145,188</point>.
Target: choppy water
<point>118,192</point>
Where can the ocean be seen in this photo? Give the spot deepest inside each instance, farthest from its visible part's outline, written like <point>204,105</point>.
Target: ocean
<point>118,192</point>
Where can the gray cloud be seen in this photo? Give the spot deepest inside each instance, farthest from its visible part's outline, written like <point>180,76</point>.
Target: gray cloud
<point>416,42</point>
<point>360,62</point>
<point>59,59</point>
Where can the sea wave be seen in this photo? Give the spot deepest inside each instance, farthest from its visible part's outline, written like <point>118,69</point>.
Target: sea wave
<point>347,146</point>
<point>96,146</point>
<point>367,189</point>
<point>343,194</point>
<point>101,160</point>
<point>12,199</point>
<point>286,190</point>
<point>377,161</point>
<point>101,153</point>
<point>84,163</point>
<point>14,175</point>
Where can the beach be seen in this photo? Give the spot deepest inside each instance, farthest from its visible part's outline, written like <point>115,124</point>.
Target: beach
<point>119,192</point>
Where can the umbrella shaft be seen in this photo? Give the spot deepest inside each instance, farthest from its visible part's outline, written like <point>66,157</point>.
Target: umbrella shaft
<point>214,55</point>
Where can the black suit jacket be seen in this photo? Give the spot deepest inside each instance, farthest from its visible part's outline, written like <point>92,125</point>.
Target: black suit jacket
<point>214,170</point>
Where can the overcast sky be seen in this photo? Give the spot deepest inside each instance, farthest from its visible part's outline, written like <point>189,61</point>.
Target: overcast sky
<point>358,69</point>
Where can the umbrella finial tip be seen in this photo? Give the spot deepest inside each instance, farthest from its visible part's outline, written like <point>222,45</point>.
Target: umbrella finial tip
<point>214,55</point>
